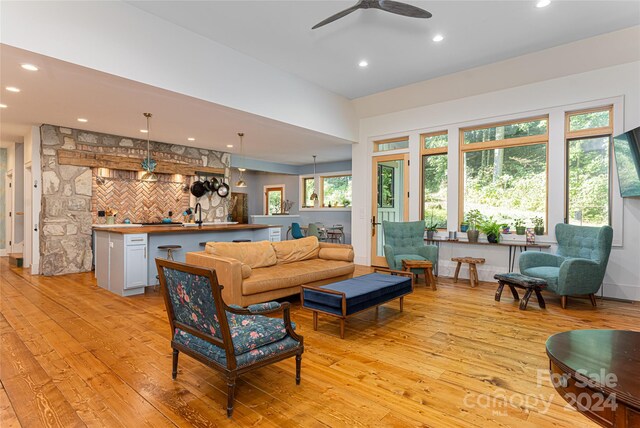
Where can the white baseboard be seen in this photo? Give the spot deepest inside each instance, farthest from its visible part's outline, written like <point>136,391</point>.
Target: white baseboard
<point>624,292</point>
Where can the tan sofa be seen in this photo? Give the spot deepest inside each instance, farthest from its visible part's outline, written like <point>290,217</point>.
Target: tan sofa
<point>254,272</point>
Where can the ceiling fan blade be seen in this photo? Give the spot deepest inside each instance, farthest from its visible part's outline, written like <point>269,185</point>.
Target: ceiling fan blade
<point>403,9</point>
<point>338,15</point>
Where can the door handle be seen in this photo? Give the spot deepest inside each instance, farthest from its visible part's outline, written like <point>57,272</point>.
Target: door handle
<point>373,225</point>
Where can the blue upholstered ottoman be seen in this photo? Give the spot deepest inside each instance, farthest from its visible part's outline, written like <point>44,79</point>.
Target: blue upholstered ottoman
<point>348,297</point>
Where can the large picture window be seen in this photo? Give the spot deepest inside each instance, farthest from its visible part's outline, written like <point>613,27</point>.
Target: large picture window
<point>308,187</point>
<point>434,148</point>
<point>588,136</point>
<point>504,171</point>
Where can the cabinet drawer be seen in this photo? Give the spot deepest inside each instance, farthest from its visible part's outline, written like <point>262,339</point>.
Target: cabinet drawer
<point>135,239</point>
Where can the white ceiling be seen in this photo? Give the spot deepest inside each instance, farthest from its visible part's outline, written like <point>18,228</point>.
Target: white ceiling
<point>399,49</point>
<point>60,92</point>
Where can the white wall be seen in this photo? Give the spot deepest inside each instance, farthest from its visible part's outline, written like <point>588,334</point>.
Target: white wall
<point>622,81</point>
<point>125,41</point>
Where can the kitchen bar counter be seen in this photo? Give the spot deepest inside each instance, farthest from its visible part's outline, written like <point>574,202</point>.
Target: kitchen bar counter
<point>125,256</point>
<point>180,229</point>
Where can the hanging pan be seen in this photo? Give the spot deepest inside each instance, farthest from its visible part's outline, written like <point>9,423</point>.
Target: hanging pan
<point>223,189</point>
<point>197,189</point>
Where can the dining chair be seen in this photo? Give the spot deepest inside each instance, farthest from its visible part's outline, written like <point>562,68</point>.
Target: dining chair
<point>314,230</point>
<point>296,231</point>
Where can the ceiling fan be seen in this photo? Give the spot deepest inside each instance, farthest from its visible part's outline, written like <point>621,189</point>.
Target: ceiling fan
<point>386,5</point>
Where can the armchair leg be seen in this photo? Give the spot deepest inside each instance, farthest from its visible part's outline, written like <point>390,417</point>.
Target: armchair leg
<point>298,364</point>
<point>563,302</point>
<point>593,299</point>
<point>231,390</point>
<point>174,371</point>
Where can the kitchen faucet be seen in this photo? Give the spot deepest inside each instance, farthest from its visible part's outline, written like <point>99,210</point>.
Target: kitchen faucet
<point>198,210</point>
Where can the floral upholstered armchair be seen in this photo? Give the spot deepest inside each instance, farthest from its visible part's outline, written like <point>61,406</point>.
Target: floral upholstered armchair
<point>230,339</point>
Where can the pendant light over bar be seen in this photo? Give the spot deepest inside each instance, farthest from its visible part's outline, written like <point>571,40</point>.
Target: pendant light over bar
<point>314,195</point>
<point>241,182</point>
<point>149,164</point>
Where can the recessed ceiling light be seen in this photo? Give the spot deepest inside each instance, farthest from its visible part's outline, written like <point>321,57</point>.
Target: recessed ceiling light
<point>12,89</point>
<point>144,131</point>
<point>543,3</point>
<point>3,106</point>
<point>191,139</point>
<point>438,38</point>
<point>363,63</point>
<point>229,145</point>
<point>29,67</point>
<point>83,120</point>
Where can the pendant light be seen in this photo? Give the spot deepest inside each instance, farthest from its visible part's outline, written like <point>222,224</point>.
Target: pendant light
<point>149,164</point>
<point>241,182</point>
<point>314,195</point>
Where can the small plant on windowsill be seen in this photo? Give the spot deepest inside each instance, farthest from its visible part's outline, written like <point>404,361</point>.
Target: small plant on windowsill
<point>519,225</point>
<point>538,225</point>
<point>474,218</point>
<point>492,229</point>
<point>431,227</point>
<point>287,205</point>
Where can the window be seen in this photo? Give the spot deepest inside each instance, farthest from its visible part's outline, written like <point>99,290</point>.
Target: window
<point>308,187</point>
<point>504,170</point>
<point>273,199</point>
<point>336,191</point>
<point>588,134</point>
<point>391,144</point>
<point>386,186</point>
<point>434,178</point>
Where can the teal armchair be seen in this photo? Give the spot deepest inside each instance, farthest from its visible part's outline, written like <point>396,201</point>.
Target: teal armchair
<point>405,241</point>
<point>579,265</point>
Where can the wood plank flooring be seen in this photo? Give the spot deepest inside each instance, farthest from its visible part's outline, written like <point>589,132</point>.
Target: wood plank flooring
<point>72,354</point>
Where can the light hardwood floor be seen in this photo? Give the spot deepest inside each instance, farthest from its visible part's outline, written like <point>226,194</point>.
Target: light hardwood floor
<point>73,354</point>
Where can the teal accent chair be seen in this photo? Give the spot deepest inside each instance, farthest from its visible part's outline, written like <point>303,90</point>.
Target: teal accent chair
<point>405,241</point>
<point>230,339</point>
<point>579,265</point>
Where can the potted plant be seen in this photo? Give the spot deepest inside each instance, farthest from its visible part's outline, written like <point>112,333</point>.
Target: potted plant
<point>474,218</point>
<point>506,229</point>
<point>519,224</point>
<point>538,225</point>
<point>492,229</point>
<point>431,227</point>
<point>464,226</point>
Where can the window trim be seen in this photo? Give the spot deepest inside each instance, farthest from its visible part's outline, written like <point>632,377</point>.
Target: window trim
<point>604,131</point>
<point>317,180</point>
<point>303,195</point>
<point>435,151</point>
<point>265,200</point>
<point>502,144</point>
<point>321,188</point>
<point>378,143</point>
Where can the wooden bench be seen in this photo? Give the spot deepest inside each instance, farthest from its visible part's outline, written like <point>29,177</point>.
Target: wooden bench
<point>473,272</point>
<point>528,283</point>
<point>427,270</point>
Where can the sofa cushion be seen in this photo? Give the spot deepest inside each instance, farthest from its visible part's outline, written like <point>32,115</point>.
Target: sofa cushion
<point>296,250</point>
<point>344,254</point>
<point>294,274</point>
<point>246,271</point>
<point>254,254</point>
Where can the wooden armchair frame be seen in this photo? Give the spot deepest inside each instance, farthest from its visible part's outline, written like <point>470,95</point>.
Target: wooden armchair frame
<point>231,370</point>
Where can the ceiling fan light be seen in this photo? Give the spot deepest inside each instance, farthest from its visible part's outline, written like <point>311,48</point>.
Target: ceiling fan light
<point>149,177</point>
<point>241,183</point>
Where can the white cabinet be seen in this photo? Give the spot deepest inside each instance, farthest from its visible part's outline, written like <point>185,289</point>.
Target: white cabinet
<point>275,234</point>
<point>135,270</point>
<point>121,262</point>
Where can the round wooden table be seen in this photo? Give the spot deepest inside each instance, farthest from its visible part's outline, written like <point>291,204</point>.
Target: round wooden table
<point>598,373</point>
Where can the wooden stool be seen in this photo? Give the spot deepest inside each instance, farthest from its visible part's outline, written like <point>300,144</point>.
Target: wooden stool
<point>473,272</point>
<point>427,269</point>
<point>169,249</point>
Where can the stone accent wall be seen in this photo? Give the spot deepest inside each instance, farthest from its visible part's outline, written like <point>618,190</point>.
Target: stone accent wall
<point>68,192</point>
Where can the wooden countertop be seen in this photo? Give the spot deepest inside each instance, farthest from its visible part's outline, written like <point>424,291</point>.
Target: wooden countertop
<point>181,229</point>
